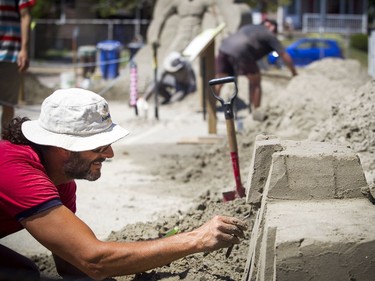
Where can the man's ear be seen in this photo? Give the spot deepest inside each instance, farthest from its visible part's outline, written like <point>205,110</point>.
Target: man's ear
<point>274,29</point>
<point>60,152</point>
<point>271,27</point>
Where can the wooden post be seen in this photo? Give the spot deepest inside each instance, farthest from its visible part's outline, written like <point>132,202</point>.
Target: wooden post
<point>209,61</point>
<point>203,46</point>
<point>74,52</point>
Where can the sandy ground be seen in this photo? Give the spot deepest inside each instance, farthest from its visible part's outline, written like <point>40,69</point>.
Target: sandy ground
<point>155,183</point>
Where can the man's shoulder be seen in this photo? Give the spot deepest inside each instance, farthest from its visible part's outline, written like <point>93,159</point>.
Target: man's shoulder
<point>257,27</point>
<point>256,31</point>
<point>13,151</point>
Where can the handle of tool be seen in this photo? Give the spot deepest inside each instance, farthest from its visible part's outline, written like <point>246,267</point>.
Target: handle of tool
<point>223,80</point>
<point>229,250</point>
<point>232,141</point>
<point>231,133</point>
<point>155,65</point>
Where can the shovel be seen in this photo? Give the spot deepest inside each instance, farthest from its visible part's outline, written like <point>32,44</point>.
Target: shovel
<point>239,192</point>
<point>155,47</point>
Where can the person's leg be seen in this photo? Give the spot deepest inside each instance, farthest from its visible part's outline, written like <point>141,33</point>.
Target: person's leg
<point>7,115</point>
<point>165,87</point>
<point>255,96</point>
<point>9,91</point>
<point>255,90</point>
<point>250,69</point>
<point>164,93</point>
<point>218,87</point>
<point>224,66</point>
<point>14,266</point>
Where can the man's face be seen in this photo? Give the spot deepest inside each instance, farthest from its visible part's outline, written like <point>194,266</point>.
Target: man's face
<point>87,164</point>
<point>271,27</point>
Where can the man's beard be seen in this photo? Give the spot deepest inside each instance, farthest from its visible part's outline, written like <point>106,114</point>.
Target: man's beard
<point>78,168</point>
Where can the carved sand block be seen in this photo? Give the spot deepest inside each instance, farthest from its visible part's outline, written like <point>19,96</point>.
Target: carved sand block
<point>313,222</point>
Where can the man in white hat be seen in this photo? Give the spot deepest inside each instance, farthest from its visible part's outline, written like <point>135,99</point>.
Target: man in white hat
<point>39,161</point>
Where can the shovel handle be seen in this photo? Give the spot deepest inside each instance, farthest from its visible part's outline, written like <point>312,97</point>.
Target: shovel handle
<point>223,80</point>
<point>232,141</point>
<point>231,132</point>
<point>155,47</point>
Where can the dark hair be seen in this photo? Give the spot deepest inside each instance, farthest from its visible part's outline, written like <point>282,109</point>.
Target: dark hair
<point>273,22</point>
<point>13,132</point>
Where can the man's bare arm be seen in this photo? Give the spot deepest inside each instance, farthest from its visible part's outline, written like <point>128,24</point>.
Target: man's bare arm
<point>68,237</point>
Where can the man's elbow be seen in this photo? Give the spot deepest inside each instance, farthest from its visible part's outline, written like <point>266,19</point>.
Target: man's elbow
<point>90,264</point>
<point>95,270</point>
<point>94,266</point>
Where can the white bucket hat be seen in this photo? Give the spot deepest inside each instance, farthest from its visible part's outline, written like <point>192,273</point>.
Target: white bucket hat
<point>174,62</point>
<point>74,119</point>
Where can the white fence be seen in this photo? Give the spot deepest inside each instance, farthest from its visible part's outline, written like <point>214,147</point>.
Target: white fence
<point>59,34</point>
<point>332,23</point>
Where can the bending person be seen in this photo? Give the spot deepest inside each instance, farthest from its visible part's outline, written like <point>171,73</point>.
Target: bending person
<point>39,162</point>
<point>176,81</point>
<point>239,53</point>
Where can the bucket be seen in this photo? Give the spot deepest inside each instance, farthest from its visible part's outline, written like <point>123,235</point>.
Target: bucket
<point>109,54</point>
<point>67,80</point>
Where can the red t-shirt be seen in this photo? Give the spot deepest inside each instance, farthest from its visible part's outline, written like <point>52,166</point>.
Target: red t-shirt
<point>25,188</point>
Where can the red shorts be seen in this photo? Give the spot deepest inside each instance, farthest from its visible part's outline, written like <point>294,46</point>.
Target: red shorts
<point>229,65</point>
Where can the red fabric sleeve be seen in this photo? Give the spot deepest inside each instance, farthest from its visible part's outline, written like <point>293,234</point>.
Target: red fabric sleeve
<point>26,3</point>
<point>24,183</point>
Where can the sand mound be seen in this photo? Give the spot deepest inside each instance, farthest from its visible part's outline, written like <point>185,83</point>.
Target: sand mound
<point>352,123</point>
<point>35,91</point>
<point>308,98</point>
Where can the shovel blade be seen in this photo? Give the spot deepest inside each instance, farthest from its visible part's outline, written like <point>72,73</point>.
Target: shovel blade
<point>229,196</point>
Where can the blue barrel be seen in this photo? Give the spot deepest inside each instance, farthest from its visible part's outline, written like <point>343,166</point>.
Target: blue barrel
<point>109,54</point>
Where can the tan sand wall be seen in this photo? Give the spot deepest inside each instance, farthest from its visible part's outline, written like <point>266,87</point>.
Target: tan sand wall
<point>309,197</point>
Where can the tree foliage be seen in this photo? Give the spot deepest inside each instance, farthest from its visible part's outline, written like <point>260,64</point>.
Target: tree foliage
<point>103,8</point>
<point>265,6</point>
<point>109,8</point>
<point>46,9</point>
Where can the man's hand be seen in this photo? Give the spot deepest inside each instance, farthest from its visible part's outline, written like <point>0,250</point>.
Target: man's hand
<point>23,61</point>
<point>220,232</point>
<point>289,63</point>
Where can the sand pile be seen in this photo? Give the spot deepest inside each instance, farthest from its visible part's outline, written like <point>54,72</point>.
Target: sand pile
<point>203,266</point>
<point>34,91</point>
<point>352,123</point>
<point>206,266</point>
<point>309,97</point>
